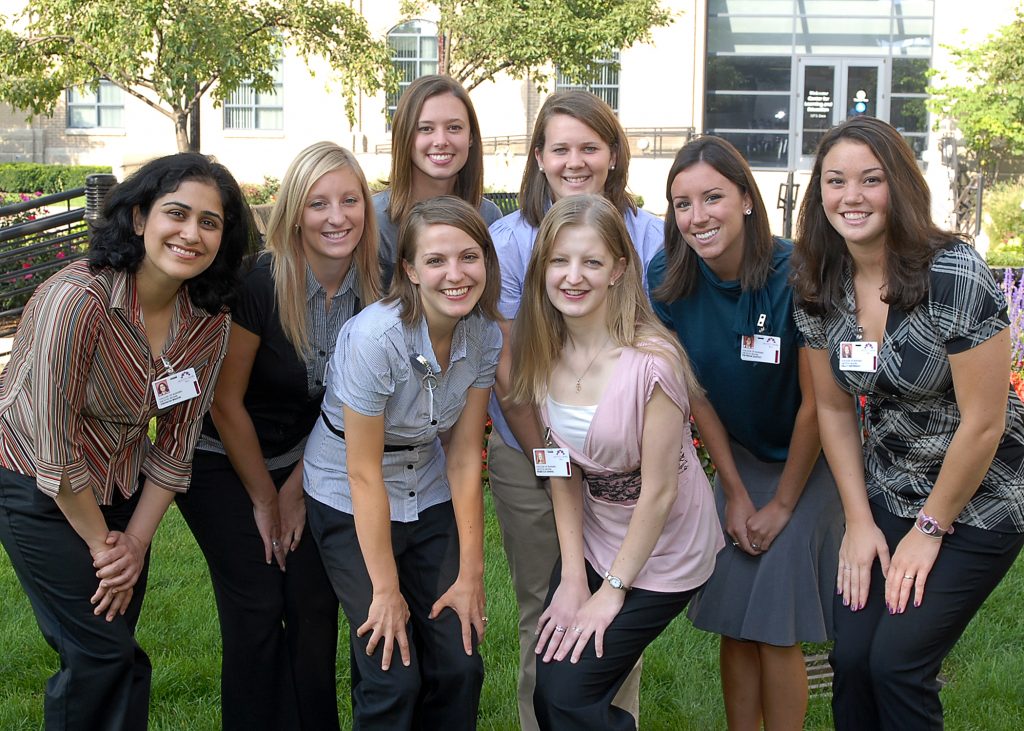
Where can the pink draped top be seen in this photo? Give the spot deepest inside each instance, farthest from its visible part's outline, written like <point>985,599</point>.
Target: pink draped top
<point>684,555</point>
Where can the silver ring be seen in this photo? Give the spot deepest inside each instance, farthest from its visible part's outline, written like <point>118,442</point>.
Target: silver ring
<point>908,578</point>
<point>578,630</point>
<point>755,546</point>
<point>735,543</point>
<point>483,619</point>
<point>275,544</point>
<point>559,628</point>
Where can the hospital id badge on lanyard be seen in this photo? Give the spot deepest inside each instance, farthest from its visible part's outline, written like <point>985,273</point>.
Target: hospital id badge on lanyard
<point>175,387</point>
<point>858,355</point>
<point>551,461</point>
<point>760,348</point>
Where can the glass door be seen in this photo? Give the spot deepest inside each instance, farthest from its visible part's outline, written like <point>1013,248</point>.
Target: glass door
<point>832,90</point>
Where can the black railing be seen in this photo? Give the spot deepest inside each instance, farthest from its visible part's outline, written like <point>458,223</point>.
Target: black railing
<point>36,241</point>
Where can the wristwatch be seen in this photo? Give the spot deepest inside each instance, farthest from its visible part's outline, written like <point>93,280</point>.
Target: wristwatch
<point>616,582</point>
<point>929,526</point>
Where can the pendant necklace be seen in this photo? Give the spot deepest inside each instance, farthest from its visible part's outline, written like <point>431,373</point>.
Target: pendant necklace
<point>579,380</point>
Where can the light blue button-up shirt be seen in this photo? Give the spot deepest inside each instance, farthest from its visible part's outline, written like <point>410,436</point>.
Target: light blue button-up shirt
<point>371,372</point>
<point>513,241</point>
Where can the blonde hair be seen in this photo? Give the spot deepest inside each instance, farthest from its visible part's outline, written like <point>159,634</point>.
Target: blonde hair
<point>284,238</point>
<point>539,332</point>
<point>446,210</point>
<point>469,182</point>
<point>591,110</point>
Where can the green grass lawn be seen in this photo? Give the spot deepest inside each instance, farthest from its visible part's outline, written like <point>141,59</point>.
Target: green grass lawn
<point>680,682</point>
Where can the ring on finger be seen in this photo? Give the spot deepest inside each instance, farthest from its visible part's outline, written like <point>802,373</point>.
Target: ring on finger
<point>483,619</point>
<point>908,577</point>
<point>578,630</point>
<point>559,628</point>
<point>755,546</point>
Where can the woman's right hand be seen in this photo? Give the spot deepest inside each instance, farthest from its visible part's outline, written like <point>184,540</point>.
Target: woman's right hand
<point>268,523</point>
<point>862,543</point>
<point>738,510</point>
<point>386,620</point>
<point>559,616</point>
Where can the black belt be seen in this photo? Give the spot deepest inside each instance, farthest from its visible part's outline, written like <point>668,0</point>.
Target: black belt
<point>387,447</point>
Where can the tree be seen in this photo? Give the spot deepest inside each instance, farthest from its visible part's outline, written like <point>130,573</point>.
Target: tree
<point>170,53</point>
<point>988,105</point>
<point>477,39</point>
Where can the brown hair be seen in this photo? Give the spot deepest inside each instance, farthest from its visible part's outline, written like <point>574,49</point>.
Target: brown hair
<point>535,193</point>
<point>539,330</point>
<point>449,211</point>
<point>758,243</point>
<point>911,238</point>
<point>284,238</point>
<point>469,183</point>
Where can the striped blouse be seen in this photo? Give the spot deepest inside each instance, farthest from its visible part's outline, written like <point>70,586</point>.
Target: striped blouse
<point>76,397</point>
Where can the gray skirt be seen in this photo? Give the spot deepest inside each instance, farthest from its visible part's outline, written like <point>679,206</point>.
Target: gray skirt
<point>784,596</point>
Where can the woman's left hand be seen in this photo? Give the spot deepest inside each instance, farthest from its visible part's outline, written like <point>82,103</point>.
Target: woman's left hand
<point>592,620</point>
<point>466,597</point>
<point>909,568</point>
<point>119,566</point>
<point>291,505</point>
<point>764,526</point>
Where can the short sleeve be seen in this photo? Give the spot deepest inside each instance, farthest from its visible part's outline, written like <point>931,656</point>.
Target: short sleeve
<point>662,370</point>
<point>811,329</point>
<point>490,349</point>
<point>513,244</point>
<point>363,370</point>
<point>648,234</point>
<point>489,211</point>
<point>965,305</point>
<point>255,300</point>
<point>655,276</point>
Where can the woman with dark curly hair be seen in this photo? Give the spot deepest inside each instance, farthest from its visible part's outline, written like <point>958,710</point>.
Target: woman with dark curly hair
<point>82,489</point>
<point>895,309</point>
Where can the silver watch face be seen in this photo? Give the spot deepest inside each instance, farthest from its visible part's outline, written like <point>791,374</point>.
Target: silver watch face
<point>615,581</point>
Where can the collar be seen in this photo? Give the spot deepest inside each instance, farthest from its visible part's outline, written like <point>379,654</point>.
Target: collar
<point>418,337</point>
<point>313,287</point>
<point>124,296</point>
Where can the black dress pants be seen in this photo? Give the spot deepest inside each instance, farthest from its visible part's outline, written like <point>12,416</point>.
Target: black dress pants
<point>104,677</point>
<point>887,665</point>
<point>578,696</point>
<point>279,630</point>
<point>440,690</point>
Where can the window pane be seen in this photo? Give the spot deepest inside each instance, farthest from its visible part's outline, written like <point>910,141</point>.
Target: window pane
<point>847,8</point>
<point>764,150</point>
<point>109,94</point>
<point>749,73</point>
<point>750,35</point>
<point>908,115</point>
<point>748,111</point>
<point>403,46</point>
<point>910,75</point>
<point>269,119</point>
<point>82,117</point>
<point>751,7</point>
<point>110,117</point>
<point>81,96</point>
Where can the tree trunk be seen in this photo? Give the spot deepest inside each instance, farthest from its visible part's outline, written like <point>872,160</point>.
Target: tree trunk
<point>181,131</point>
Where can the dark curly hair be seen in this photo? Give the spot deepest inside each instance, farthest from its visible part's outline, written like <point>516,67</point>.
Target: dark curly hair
<point>114,244</point>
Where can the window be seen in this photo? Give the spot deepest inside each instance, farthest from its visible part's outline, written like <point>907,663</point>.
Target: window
<point>250,109</point>
<point>605,83</point>
<point>414,53</point>
<point>781,72</point>
<point>102,108</point>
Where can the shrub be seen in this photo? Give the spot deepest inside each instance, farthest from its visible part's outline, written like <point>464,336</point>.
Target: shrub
<point>1004,215</point>
<point>31,177</point>
<point>258,194</point>
<point>1007,254</point>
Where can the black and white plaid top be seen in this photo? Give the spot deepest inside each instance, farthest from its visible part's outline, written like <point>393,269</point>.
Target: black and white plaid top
<point>911,407</point>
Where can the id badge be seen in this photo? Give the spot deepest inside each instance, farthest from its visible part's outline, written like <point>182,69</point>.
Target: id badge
<point>175,388</point>
<point>551,463</point>
<point>760,348</point>
<point>858,355</point>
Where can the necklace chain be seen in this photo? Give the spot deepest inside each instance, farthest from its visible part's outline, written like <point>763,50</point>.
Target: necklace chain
<point>579,381</point>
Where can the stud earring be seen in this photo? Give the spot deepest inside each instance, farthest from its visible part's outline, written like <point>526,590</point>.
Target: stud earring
<point>540,168</point>
<point>611,167</point>
<point>748,211</point>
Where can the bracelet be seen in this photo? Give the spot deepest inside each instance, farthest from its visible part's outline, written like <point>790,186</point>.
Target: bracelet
<point>930,526</point>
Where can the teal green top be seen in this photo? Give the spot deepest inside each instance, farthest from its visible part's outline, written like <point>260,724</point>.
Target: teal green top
<point>757,402</point>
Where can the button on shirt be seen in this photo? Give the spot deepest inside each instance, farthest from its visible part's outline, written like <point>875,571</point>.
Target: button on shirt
<point>77,396</point>
<point>371,372</point>
<point>513,243</point>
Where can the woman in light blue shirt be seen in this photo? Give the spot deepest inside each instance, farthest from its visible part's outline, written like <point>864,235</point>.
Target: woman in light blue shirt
<point>399,522</point>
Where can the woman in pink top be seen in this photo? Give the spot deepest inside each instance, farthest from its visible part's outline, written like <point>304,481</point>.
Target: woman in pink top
<point>636,527</point>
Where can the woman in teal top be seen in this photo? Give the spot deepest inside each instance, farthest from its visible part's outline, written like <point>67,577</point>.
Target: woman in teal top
<point>721,283</point>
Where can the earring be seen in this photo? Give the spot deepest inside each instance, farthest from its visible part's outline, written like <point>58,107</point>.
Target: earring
<point>748,211</point>
<point>541,168</point>
<point>297,229</point>
<point>611,167</point>
<point>611,284</point>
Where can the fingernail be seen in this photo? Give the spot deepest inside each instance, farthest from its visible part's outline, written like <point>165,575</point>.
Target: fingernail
<point>846,602</point>
<point>891,610</point>
<point>917,602</point>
